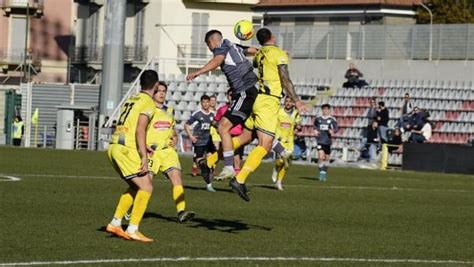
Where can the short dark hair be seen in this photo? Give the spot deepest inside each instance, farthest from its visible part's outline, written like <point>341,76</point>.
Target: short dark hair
<point>148,79</point>
<point>163,84</point>
<point>326,106</point>
<point>205,97</point>
<point>229,91</point>
<point>407,94</point>
<point>211,33</point>
<point>264,35</point>
<point>382,104</point>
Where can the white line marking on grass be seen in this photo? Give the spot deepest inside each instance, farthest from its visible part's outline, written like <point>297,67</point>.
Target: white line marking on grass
<point>318,185</point>
<point>9,178</point>
<point>215,259</point>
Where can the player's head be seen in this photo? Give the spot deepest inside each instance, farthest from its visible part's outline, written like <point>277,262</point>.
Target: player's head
<point>375,124</point>
<point>149,80</point>
<point>326,109</point>
<point>265,36</point>
<point>351,65</point>
<point>213,39</point>
<point>213,102</point>
<point>205,102</point>
<point>289,104</point>
<point>381,105</point>
<point>18,118</point>
<point>160,96</point>
<point>372,102</point>
<point>407,96</point>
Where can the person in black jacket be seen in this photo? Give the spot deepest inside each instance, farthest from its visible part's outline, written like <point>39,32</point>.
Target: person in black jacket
<point>395,141</point>
<point>373,140</point>
<point>382,119</point>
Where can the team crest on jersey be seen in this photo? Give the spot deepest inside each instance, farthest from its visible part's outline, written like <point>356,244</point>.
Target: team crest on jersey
<point>160,125</point>
<point>328,121</point>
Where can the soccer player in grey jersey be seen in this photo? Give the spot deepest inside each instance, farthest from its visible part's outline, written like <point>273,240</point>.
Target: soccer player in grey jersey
<point>231,58</point>
<point>198,129</point>
<point>324,127</point>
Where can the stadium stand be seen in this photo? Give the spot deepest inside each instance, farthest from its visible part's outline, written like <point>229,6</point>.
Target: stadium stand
<point>451,104</point>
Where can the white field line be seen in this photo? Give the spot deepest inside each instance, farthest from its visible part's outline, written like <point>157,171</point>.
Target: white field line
<point>217,259</point>
<point>6,178</point>
<point>375,188</point>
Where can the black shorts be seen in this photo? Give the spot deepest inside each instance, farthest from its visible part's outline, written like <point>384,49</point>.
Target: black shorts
<point>325,148</point>
<point>241,105</point>
<point>201,151</point>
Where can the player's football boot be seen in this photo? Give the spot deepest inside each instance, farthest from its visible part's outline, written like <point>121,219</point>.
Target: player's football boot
<point>240,189</point>
<point>274,175</point>
<point>322,176</point>
<point>116,230</point>
<point>184,216</point>
<point>137,236</point>
<point>210,188</point>
<point>226,173</point>
<point>279,186</point>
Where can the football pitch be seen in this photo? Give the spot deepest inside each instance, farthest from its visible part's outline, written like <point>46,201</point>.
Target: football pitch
<point>55,206</point>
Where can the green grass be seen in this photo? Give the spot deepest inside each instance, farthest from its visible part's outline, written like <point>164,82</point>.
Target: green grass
<point>65,198</point>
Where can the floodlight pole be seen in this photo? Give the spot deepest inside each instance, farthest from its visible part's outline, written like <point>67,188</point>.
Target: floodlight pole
<point>431,29</point>
<point>112,79</point>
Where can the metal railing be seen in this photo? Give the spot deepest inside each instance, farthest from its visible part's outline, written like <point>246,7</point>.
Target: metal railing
<point>22,3</point>
<point>90,54</point>
<point>17,57</point>
<point>359,42</point>
<point>193,51</point>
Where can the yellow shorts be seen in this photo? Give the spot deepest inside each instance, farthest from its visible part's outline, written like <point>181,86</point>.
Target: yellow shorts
<point>215,135</point>
<point>264,116</point>
<point>125,160</point>
<point>164,160</point>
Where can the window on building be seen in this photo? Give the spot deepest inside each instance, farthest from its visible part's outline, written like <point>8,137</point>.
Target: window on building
<point>200,25</point>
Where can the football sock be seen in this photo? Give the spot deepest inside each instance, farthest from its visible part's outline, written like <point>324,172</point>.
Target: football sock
<point>205,172</point>
<point>178,197</point>
<point>139,206</point>
<point>281,174</point>
<point>228,159</point>
<point>251,164</point>
<point>212,159</point>
<point>125,202</point>
<point>321,166</point>
<point>278,148</point>
<point>236,143</point>
<point>326,166</point>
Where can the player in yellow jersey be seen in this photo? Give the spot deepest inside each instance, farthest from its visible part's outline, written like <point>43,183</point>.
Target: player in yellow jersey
<point>273,78</point>
<point>288,120</point>
<point>162,139</point>
<point>129,156</point>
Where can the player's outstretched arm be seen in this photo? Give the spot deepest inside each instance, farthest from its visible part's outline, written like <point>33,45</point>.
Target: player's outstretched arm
<point>251,51</point>
<point>289,88</point>
<point>213,64</point>
<point>140,137</point>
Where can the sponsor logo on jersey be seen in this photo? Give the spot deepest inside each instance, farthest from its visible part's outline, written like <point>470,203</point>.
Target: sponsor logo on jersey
<point>160,125</point>
<point>285,125</point>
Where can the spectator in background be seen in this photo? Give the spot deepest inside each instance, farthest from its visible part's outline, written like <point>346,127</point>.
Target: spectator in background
<point>407,105</point>
<point>395,142</point>
<point>353,76</point>
<point>372,113</point>
<point>18,130</point>
<point>423,135</point>
<point>373,140</point>
<point>382,119</point>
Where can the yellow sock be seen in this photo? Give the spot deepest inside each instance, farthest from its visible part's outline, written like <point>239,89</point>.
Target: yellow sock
<point>212,159</point>
<point>139,206</point>
<point>125,202</point>
<point>236,142</point>
<point>251,164</point>
<point>281,174</point>
<point>178,197</point>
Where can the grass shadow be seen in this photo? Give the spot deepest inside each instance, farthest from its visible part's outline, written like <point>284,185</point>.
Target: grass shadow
<point>204,189</point>
<point>308,178</point>
<point>220,225</point>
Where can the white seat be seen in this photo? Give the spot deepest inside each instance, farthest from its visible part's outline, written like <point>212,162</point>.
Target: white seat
<point>192,87</point>
<point>192,106</point>
<point>176,96</point>
<point>202,87</point>
<point>212,88</point>
<point>182,87</point>
<point>188,96</point>
<point>197,96</point>
<point>181,106</point>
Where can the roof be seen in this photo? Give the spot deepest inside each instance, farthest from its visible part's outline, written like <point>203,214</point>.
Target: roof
<point>327,3</point>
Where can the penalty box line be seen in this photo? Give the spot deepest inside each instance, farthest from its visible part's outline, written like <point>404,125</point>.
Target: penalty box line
<point>217,259</point>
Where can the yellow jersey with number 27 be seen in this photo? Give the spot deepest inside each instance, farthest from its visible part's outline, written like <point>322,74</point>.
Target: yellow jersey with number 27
<point>140,103</point>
